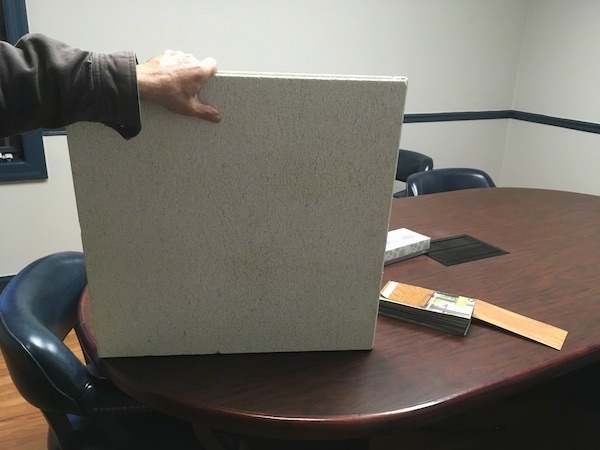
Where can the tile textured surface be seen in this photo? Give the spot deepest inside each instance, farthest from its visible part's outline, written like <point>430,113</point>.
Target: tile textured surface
<point>263,233</point>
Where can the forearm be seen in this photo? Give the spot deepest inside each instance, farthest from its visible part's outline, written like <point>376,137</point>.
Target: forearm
<point>45,83</point>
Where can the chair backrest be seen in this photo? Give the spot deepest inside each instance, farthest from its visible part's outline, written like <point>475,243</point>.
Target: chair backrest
<point>38,308</point>
<point>410,162</point>
<point>448,179</point>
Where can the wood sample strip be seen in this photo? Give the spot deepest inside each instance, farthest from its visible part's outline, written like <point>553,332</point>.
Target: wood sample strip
<point>406,293</point>
<point>530,328</point>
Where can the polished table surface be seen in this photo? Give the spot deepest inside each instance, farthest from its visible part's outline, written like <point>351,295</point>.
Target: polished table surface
<point>413,375</point>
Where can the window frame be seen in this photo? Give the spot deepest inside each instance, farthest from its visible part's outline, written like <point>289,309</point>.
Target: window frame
<point>32,165</point>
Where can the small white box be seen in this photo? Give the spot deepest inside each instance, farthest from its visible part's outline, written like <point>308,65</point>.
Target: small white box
<point>404,243</point>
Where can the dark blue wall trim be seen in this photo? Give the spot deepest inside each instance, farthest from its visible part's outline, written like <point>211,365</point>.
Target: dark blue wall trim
<point>455,116</point>
<point>33,164</point>
<point>4,281</point>
<point>589,127</point>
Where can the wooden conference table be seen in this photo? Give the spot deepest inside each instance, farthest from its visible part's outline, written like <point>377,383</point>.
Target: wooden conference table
<point>413,375</point>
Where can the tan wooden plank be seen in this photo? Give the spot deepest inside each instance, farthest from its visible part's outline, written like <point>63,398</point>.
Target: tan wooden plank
<point>530,328</point>
<point>406,293</point>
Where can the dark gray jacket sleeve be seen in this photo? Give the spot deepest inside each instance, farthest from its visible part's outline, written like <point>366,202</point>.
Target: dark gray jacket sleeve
<point>47,84</point>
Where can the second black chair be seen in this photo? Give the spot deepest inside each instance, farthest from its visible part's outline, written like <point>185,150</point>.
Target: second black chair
<point>448,179</point>
<point>410,162</point>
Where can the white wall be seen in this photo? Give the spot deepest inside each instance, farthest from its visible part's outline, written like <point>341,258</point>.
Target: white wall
<point>452,52</point>
<point>558,76</point>
<point>461,55</point>
<point>560,68</point>
<point>41,217</point>
<point>552,158</point>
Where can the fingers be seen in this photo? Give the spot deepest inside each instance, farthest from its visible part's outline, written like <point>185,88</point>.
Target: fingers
<point>209,68</point>
<point>210,65</point>
<point>207,112</point>
<point>175,80</point>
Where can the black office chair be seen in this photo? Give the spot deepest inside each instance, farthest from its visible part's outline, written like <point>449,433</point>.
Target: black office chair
<point>450,179</point>
<point>410,162</point>
<point>38,308</point>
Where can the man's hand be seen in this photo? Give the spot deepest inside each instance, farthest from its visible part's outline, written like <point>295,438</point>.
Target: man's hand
<point>174,79</point>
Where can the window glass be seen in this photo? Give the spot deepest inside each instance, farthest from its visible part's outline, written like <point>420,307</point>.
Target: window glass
<point>22,156</point>
<point>2,22</point>
<point>10,147</point>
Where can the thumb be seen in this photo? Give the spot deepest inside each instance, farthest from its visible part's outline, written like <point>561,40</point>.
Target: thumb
<point>206,112</point>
